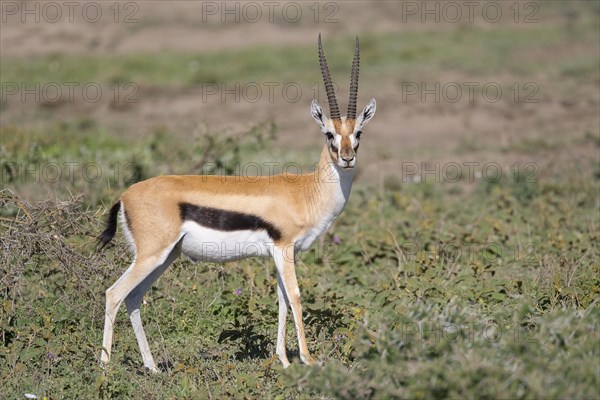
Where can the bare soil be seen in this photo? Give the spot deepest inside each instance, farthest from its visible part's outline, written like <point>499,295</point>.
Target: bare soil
<point>402,131</point>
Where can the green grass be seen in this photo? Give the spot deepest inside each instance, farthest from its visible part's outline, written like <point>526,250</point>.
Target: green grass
<point>470,50</point>
<point>429,290</point>
<point>418,291</point>
<point>80,156</point>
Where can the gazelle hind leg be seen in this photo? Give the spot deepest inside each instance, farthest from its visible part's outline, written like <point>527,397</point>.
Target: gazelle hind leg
<point>133,302</point>
<point>286,269</point>
<point>141,268</point>
<point>112,307</point>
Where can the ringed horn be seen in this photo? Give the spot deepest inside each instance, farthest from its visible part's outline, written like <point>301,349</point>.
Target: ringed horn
<point>333,105</point>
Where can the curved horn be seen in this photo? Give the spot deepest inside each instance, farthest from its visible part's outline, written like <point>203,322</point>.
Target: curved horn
<point>354,83</point>
<point>333,105</point>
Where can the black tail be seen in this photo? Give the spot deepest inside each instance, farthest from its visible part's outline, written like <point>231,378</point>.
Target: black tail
<point>111,226</point>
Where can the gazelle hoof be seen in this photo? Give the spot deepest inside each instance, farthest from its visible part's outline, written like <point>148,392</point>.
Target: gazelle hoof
<point>308,360</point>
<point>153,369</point>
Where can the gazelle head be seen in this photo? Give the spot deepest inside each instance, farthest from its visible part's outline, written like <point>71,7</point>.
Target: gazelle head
<point>342,133</point>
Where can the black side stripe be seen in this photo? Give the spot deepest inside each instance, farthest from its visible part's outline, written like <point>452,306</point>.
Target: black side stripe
<point>224,220</point>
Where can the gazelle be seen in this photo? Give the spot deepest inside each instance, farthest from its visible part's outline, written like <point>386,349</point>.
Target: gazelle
<point>221,219</point>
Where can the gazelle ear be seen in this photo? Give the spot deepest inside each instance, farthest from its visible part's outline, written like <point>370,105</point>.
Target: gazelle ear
<point>366,114</point>
<point>317,113</point>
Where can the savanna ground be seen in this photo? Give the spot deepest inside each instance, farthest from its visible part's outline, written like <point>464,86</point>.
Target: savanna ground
<point>464,266</point>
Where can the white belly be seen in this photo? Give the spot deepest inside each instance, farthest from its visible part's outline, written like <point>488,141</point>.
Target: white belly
<point>205,244</point>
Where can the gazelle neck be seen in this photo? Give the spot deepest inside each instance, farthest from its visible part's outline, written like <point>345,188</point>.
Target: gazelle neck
<point>326,195</point>
<point>335,182</point>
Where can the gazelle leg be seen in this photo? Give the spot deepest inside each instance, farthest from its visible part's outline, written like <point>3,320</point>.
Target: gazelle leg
<point>133,302</point>
<point>112,307</point>
<point>140,269</point>
<point>133,308</point>
<point>284,260</point>
<point>283,306</point>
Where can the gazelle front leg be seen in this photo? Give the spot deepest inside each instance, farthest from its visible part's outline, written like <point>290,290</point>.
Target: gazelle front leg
<point>283,307</point>
<point>286,270</point>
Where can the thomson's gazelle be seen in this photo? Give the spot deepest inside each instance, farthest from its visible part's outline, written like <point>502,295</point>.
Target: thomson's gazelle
<point>205,217</point>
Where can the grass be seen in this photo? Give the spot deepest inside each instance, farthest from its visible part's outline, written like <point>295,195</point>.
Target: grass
<point>429,294</point>
<point>484,288</point>
<point>418,291</point>
<point>470,50</point>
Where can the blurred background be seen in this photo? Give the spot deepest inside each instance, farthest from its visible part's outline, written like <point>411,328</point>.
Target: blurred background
<point>96,96</point>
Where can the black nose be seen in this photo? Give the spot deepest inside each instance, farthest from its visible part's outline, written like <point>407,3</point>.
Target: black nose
<point>347,158</point>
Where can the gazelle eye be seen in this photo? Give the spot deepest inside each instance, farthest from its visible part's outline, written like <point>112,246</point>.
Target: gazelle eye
<point>329,135</point>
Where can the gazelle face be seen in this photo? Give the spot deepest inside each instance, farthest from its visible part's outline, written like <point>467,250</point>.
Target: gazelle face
<point>343,135</point>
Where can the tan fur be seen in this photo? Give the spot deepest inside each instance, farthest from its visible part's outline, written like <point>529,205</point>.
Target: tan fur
<point>300,207</point>
<point>293,203</point>
<point>344,127</point>
<point>153,211</point>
